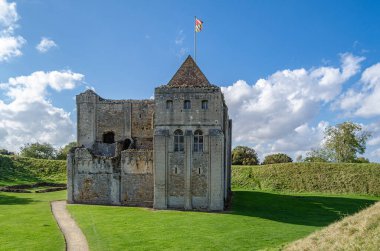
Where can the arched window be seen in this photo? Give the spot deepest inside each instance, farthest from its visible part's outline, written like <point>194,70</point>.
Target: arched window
<point>204,104</point>
<point>198,141</point>
<point>169,104</point>
<point>178,141</point>
<point>109,137</point>
<point>187,104</point>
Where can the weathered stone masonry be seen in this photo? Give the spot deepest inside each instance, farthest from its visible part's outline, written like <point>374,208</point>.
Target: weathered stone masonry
<point>170,152</point>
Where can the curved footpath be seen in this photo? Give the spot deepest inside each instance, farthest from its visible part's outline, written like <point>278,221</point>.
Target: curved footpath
<point>75,239</point>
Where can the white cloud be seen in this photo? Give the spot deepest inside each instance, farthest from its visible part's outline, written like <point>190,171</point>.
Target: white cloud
<point>10,45</point>
<point>365,101</point>
<point>373,144</point>
<point>180,38</point>
<point>29,116</point>
<point>273,114</point>
<point>8,16</point>
<point>182,52</point>
<point>45,45</point>
<point>180,49</point>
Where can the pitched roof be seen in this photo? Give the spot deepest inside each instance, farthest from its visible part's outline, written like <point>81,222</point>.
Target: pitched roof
<point>189,75</point>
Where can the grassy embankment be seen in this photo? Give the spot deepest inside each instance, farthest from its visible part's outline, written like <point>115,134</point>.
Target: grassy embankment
<point>358,232</point>
<point>18,170</point>
<point>310,177</point>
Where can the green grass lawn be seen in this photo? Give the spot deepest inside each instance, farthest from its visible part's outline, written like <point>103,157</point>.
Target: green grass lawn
<point>26,222</point>
<point>257,220</point>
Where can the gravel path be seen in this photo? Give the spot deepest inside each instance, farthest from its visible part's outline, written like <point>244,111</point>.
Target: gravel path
<point>75,239</point>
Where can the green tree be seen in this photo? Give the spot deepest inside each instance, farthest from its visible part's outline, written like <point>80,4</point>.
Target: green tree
<point>276,158</point>
<point>345,140</point>
<point>243,155</point>
<point>361,160</point>
<point>63,151</point>
<point>317,155</point>
<point>6,152</point>
<point>38,151</point>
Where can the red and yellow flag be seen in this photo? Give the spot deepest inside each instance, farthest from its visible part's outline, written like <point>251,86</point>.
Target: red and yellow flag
<point>198,25</point>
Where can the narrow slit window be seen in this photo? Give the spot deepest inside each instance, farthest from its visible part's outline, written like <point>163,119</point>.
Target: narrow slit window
<point>178,141</point>
<point>187,104</point>
<point>198,141</point>
<point>204,104</point>
<point>169,105</point>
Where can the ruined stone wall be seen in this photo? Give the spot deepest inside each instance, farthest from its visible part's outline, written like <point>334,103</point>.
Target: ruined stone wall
<point>86,110</point>
<point>94,179</point>
<point>127,119</point>
<point>137,178</point>
<point>123,180</point>
<point>111,117</point>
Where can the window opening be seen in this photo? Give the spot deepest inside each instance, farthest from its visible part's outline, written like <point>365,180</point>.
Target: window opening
<point>204,104</point>
<point>187,104</point>
<point>109,137</point>
<point>198,141</point>
<point>178,141</point>
<point>169,104</point>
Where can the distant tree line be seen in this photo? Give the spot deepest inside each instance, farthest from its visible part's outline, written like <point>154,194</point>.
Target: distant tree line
<point>6,152</point>
<point>42,151</point>
<point>342,143</point>
<point>244,155</point>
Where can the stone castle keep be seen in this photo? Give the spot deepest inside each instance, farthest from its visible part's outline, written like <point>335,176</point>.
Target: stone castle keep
<point>170,152</point>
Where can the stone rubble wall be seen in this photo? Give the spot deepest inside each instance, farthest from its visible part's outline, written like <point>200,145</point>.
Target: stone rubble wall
<point>126,179</point>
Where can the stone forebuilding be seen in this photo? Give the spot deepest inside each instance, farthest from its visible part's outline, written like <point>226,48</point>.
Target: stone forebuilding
<point>173,151</point>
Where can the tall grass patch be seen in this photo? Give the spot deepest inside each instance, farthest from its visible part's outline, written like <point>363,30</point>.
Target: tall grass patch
<point>339,178</point>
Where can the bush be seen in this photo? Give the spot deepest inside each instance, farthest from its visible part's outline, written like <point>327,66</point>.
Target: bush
<point>351,178</point>
<point>276,158</point>
<point>243,155</point>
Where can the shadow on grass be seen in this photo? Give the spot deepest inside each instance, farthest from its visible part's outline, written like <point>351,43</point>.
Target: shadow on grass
<point>302,210</point>
<point>6,199</point>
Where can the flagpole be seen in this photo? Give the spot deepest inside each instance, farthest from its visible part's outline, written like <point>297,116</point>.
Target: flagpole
<point>195,39</point>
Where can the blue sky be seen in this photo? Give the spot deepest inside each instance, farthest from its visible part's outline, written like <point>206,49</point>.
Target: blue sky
<point>316,61</point>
